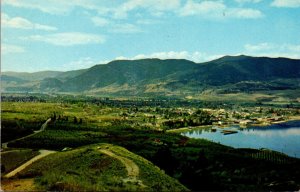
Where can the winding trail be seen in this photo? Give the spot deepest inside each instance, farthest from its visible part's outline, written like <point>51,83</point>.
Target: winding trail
<point>132,168</point>
<point>42,154</point>
<point>43,127</point>
<point>15,150</point>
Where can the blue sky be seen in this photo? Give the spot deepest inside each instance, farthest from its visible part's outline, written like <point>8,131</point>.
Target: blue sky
<point>67,35</point>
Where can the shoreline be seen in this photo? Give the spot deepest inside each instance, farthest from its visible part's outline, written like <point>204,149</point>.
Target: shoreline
<point>179,130</point>
<point>188,128</point>
<point>291,118</point>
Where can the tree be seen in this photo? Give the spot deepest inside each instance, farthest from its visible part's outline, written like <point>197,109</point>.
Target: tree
<point>75,120</point>
<point>2,168</point>
<point>53,118</point>
<point>164,159</point>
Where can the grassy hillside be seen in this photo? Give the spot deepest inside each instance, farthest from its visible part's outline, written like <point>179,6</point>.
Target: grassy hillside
<point>99,167</point>
<point>7,78</point>
<point>126,72</point>
<point>14,158</point>
<point>69,74</point>
<point>230,69</point>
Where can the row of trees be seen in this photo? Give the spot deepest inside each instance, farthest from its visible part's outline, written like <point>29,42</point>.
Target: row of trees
<point>272,156</point>
<point>62,118</point>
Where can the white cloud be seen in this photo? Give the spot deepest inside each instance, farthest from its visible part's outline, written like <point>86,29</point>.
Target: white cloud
<point>114,8</point>
<point>115,27</point>
<point>155,7</point>
<point>273,50</point>
<point>47,6</point>
<point>212,8</point>
<point>263,49</point>
<point>194,56</point>
<point>248,1</point>
<point>58,6</point>
<point>244,13</point>
<point>259,47</point>
<point>99,21</point>
<point>147,21</point>
<point>294,48</point>
<point>8,48</point>
<point>286,3</point>
<point>125,28</point>
<point>21,23</point>
<point>217,9</point>
<point>81,63</point>
<point>68,39</point>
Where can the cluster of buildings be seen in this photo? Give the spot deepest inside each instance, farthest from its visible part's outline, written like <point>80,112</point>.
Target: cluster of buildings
<point>245,117</point>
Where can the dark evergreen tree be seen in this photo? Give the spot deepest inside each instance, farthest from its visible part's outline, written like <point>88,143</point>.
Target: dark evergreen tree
<point>75,120</point>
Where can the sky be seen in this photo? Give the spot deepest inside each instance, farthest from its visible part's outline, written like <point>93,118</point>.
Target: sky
<point>64,35</point>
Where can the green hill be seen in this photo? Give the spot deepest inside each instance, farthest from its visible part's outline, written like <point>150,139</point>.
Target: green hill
<point>122,72</point>
<point>8,79</point>
<point>233,69</point>
<point>174,77</point>
<point>100,167</point>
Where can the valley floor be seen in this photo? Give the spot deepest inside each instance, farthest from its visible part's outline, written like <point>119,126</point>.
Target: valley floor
<point>92,140</point>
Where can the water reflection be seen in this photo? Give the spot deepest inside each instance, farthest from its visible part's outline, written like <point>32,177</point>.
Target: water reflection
<point>272,133</point>
<point>280,137</point>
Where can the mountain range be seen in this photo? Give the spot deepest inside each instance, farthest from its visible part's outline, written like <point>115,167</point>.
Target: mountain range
<point>171,77</point>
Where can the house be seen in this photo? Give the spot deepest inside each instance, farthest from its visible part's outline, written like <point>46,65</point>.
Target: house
<point>246,122</point>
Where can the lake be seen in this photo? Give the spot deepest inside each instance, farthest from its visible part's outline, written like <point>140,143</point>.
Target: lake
<point>283,137</point>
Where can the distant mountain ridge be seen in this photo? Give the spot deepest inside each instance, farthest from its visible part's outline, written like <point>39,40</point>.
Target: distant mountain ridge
<point>35,76</point>
<point>126,72</point>
<point>166,77</point>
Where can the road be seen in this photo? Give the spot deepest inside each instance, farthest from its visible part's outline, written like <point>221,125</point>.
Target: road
<point>42,154</point>
<point>43,127</point>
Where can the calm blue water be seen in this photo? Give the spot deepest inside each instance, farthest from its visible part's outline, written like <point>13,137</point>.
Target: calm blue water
<point>283,137</point>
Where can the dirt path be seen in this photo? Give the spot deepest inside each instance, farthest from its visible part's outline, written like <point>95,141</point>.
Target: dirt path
<point>15,150</point>
<point>42,154</point>
<point>132,169</point>
<point>43,127</point>
<point>18,185</point>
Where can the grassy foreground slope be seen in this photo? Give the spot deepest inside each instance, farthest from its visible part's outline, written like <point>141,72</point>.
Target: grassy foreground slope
<point>13,158</point>
<point>99,167</point>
